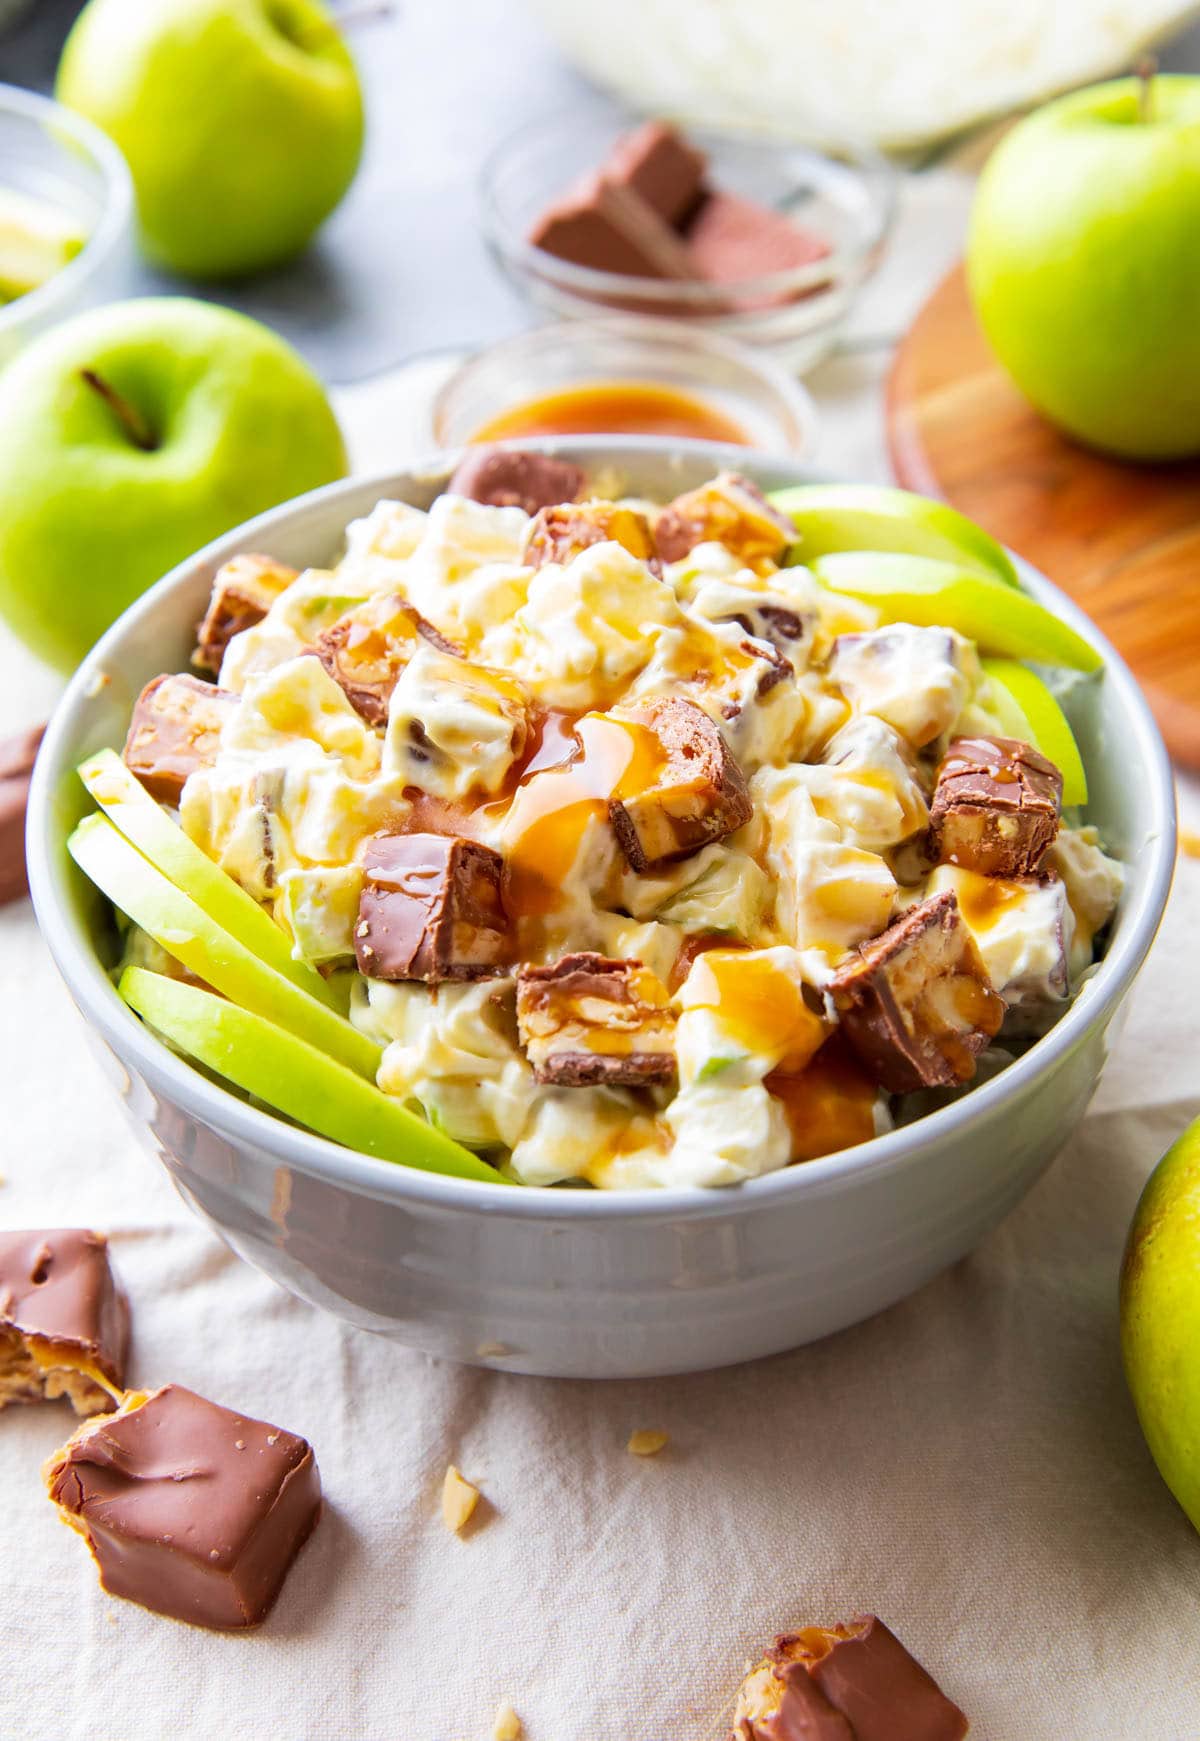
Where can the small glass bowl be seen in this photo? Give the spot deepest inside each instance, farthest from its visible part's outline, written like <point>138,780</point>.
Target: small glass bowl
<point>50,153</point>
<point>773,410</point>
<point>845,193</point>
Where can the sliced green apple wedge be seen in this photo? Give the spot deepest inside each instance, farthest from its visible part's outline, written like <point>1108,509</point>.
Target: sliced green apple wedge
<point>37,240</point>
<point>293,1077</point>
<point>920,589</point>
<point>836,517</point>
<point>1029,711</point>
<point>144,822</point>
<point>188,933</point>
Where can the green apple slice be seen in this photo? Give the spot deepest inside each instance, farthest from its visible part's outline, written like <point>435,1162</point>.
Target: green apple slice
<point>293,1077</point>
<point>919,589</point>
<point>187,932</point>
<point>837,517</point>
<point>36,241</point>
<point>1029,711</point>
<point>144,822</point>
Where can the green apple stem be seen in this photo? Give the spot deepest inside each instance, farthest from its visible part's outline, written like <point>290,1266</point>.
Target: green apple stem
<point>130,418</point>
<point>1145,70</point>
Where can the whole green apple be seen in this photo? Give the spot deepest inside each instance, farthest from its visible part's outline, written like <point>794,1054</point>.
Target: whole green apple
<point>129,437</point>
<point>1160,1317</point>
<point>241,121</point>
<point>1084,263</point>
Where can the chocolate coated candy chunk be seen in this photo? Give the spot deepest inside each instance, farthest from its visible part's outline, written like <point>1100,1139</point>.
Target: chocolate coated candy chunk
<point>561,532</point>
<point>916,1002</point>
<point>17,756</point>
<point>586,1019</point>
<point>431,909</point>
<point>729,510</point>
<point>732,239</point>
<point>661,167</point>
<point>188,1508</point>
<point>244,589</point>
<point>502,477</point>
<point>175,729</point>
<point>366,650</point>
<point>996,807</point>
<point>64,1323</point>
<point>605,226</point>
<point>699,794</point>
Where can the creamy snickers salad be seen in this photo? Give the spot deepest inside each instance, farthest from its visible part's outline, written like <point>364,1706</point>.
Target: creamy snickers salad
<point>647,858</point>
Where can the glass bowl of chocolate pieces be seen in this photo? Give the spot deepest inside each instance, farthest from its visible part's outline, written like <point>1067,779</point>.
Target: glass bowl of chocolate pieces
<point>760,238</point>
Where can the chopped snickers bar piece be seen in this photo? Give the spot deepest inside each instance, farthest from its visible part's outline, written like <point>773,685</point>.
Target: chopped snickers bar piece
<point>661,167</point>
<point>188,1508</point>
<point>175,729</point>
<point>605,226</point>
<point>732,239</point>
<point>366,650</point>
<point>561,532</point>
<point>431,909</point>
<point>504,477</point>
<point>244,589</point>
<point>17,756</point>
<point>586,1020</point>
<point>731,511</point>
<point>64,1323</point>
<point>843,1683</point>
<point>698,793</point>
<point>916,1002</point>
<point>996,807</point>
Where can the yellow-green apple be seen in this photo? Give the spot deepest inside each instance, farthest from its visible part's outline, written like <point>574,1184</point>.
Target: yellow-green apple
<point>294,1077</point>
<point>1084,263</point>
<point>182,927</point>
<point>241,122</point>
<point>833,517</point>
<point>921,589</point>
<point>129,437</point>
<point>1160,1317</point>
<point>1030,711</point>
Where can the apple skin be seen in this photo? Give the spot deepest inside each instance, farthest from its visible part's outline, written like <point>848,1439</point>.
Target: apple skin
<point>836,517</point>
<point>1160,1317</point>
<point>1029,711</point>
<point>1083,260</point>
<point>241,122</point>
<point>88,520</point>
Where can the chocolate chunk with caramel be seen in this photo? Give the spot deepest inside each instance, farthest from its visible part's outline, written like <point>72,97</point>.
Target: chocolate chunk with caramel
<point>64,1323</point>
<point>698,793</point>
<point>587,1020</point>
<point>728,510</point>
<point>996,807</point>
<point>244,589</point>
<point>843,1683</point>
<point>17,756</point>
<point>366,650</point>
<point>561,532</point>
<point>916,1002</point>
<point>175,729</point>
<point>432,909</point>
<point>188,1508</point>
<point>506,477</point>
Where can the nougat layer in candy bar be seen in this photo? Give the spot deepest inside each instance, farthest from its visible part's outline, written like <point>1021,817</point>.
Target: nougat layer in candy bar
<point>505,477</point>
<point>996,807</point>
<point>188,1508</point>
<point>586,1019</point>
<point>699,793</point>
<point>243,591</point>
<point>561,532</point>
<point>175,730</point>
<point>916,1002</point>
<point>366,650</point>
<point>729,510</point>
<point>853,1682</point>
<point>432,908</point>
<point>64,1322</point>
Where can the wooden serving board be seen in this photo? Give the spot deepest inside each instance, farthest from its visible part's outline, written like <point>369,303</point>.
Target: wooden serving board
<point>1122,539</point>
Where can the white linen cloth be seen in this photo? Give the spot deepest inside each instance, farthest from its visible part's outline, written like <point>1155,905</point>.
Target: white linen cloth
<point>967,1465</point>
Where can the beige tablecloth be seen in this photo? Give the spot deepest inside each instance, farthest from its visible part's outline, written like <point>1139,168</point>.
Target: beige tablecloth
<point>967,1465</point>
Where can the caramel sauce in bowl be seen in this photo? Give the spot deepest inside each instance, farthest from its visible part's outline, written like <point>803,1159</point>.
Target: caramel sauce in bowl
<point>615,408</point>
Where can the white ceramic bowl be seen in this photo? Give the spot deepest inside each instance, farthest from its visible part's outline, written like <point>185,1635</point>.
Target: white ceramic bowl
<point>565,1281</point>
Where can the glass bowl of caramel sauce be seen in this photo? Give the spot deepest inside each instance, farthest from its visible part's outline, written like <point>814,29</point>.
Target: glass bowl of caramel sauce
<point>625,376</point>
